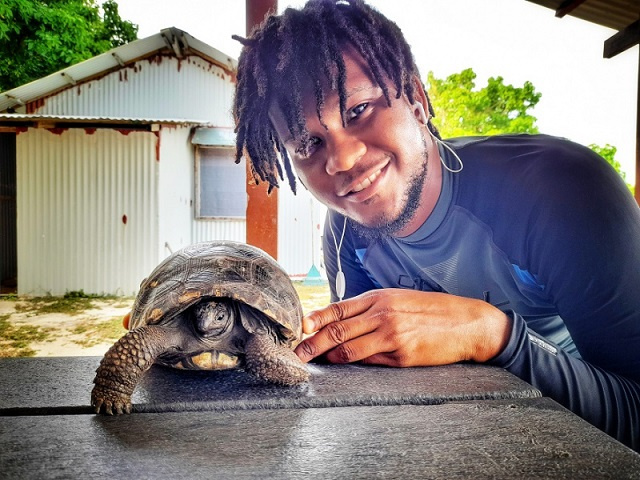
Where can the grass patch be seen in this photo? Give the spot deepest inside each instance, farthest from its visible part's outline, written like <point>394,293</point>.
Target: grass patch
<point>100,332</point>
<point>15,339</point>
<point>72,303</point>
<point>312,297</point>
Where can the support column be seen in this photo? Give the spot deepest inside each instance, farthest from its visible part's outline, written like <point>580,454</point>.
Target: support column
<point>637,190</point>
<point>262,209</point>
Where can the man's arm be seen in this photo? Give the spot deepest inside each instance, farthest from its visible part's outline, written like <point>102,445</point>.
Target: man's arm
<point>609,401</point>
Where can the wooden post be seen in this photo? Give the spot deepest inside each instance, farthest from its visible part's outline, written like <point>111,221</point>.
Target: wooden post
<point>638,136</point>
<point>262,209</point>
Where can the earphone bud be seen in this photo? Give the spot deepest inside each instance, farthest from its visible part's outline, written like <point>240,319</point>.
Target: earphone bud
<point>423,114</point>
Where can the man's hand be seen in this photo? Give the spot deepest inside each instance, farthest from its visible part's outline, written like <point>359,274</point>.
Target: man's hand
<point>404,328</point>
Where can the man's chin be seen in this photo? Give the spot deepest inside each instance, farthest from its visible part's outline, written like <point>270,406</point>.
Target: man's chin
<point>380,228</point>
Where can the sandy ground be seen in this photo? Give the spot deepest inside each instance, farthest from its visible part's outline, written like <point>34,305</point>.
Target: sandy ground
<point>63,341</point>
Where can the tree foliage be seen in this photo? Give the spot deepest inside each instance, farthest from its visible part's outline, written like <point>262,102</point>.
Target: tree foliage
<point>608,152</point>
<point>461,109</point>
<point>39,37</point>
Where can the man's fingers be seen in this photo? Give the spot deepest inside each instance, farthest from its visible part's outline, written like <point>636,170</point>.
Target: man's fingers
<point>363,348</point>
<point>331,336</point>
<point>336,312</point>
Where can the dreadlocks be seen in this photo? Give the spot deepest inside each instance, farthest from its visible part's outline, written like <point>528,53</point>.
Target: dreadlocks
<point>302,49</point>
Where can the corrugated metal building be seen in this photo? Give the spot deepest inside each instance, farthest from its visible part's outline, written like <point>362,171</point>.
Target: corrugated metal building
<point>109,165</point>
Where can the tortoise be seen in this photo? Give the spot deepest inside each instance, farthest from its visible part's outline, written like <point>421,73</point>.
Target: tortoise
<point>209,306</point>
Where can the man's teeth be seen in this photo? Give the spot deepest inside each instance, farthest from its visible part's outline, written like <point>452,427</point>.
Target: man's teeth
<point>366,182</point>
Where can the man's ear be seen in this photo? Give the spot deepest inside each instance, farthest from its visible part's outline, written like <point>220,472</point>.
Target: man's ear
<point>420,97</point>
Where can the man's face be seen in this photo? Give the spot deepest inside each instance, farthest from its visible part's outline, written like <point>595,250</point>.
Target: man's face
<point>374,169</point>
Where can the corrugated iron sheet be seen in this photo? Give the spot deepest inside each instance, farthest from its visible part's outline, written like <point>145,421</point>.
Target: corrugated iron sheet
<point>300,228</point>
<point>175,189</point>
<point>158,87</point>
<point>224,229</point>
<point>87,210</point>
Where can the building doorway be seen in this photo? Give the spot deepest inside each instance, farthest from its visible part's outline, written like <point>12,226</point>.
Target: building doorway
<point>8,217</point>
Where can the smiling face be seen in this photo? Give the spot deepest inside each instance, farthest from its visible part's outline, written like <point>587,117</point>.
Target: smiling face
<point>381,168</point>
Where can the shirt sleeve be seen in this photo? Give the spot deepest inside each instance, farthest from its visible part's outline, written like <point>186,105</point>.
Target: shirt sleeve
<point>584,246</point>
<point>610,402</point>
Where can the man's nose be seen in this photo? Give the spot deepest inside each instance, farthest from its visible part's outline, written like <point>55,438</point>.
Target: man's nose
<point>344,152</point>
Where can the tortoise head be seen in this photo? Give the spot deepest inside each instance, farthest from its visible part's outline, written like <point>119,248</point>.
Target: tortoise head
<point>214,318</point>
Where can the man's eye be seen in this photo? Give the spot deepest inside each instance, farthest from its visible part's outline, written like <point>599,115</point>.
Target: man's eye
<point>356,111</point>
<point>310,147</point>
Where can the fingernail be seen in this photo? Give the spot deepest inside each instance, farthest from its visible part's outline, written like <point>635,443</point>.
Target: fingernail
<point>308,324</point>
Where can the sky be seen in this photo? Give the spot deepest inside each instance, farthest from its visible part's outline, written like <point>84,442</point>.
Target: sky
<point>585,97</point>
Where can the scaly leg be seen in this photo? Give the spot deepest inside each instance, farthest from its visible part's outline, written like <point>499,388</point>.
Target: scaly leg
<point>273,362</point>
<point>124,364</point>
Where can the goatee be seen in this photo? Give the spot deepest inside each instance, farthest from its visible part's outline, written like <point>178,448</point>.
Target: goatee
<point>385,226</point>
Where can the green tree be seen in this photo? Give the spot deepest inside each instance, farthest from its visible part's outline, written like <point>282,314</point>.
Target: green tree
<point>608,152</point>
<point>461,109</point>
<point>39,37</point>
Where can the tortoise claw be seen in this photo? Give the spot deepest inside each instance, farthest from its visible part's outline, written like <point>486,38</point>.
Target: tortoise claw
<point>110,401</point>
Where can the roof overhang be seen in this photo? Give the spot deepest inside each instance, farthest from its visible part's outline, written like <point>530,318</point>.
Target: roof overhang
<point>620,15</point>
<point>15,120</point>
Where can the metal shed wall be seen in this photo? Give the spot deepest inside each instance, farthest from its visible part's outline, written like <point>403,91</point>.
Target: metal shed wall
<point>300,229</point>
<point>175,199</point>
<point>159,87</point>
<point>87,204</point>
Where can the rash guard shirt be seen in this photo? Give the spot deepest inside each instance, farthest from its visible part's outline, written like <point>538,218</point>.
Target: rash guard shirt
<point>546,231</point>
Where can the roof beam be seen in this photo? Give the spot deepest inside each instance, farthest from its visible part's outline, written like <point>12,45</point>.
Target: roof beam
<point>623,40</point>
<point>567,7</point>
<point>15,99</point>
<point>68,78</point>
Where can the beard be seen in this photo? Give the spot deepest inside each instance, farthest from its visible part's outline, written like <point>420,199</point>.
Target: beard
<point>386,225</point>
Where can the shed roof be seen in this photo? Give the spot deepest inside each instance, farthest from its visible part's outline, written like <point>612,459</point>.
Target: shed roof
<point>172,41</point>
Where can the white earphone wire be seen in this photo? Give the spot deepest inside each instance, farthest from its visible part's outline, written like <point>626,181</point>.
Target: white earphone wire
<point>425,120</point>
<point>341,282</point>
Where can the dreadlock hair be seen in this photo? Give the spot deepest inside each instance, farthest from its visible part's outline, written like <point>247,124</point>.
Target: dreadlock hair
<point>299,48</point>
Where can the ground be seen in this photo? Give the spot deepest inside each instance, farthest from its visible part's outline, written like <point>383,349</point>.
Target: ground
<point>82,325</point>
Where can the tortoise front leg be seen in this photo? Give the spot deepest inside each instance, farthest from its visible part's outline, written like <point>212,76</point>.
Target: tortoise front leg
<point>272,362</point>
<point>123,365</point>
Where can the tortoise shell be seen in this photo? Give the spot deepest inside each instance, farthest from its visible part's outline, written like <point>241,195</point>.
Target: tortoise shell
<point>228,269</point>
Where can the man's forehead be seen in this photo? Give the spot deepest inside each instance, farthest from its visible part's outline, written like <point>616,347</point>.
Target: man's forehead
<point>359,78</point>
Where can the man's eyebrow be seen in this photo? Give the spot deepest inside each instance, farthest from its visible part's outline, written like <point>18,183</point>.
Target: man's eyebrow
<point>352,91</point>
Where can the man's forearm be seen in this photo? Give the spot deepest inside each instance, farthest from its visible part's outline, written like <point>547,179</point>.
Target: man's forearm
<point>608,401</point>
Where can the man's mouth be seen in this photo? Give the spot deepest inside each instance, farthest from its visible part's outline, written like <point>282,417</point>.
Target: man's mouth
<point>366,182</point>
<point>361,183</point>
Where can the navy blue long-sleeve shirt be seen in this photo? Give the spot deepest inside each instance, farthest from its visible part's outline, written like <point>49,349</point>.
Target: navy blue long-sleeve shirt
<point>547,231</point>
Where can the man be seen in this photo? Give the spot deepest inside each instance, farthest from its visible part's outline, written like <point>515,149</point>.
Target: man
<point>517,251</point>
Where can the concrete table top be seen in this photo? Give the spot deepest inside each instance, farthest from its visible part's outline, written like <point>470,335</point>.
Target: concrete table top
<point>501,439</point>
<point>63,385</point>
